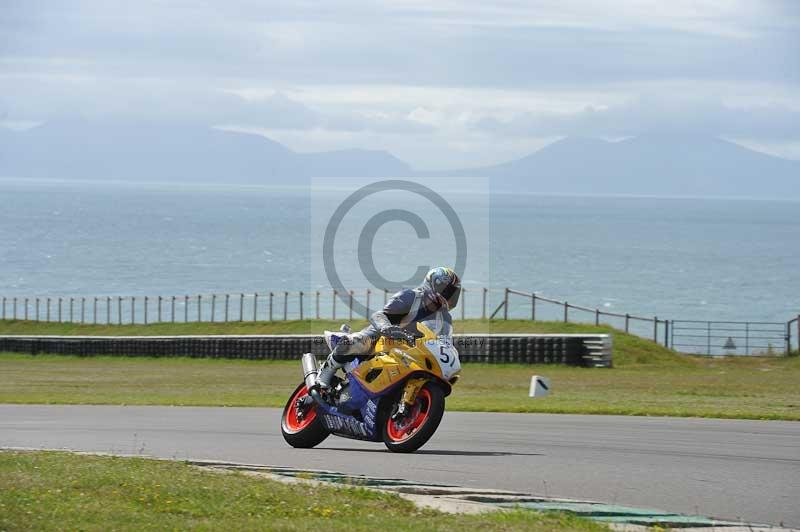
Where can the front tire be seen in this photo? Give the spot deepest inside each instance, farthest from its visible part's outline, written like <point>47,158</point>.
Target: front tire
<point>418,425</point>
<point>302,428</point>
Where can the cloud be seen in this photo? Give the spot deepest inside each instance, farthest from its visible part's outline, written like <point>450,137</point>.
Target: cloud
<point>477,81</point>
<point>505,44</point>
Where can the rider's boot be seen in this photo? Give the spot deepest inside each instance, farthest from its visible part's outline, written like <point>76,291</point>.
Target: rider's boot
<point>327,371</point>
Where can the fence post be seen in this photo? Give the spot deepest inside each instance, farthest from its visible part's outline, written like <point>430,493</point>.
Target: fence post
<point>788,339</point>
<point>4,308</point>
<point>94,309</point>
<point>301,305</point>
<point>83,310</point>
<point>798,331</point>
<point>597,316</point>
<point>666,333</point>
<point>483,308</point>
<point>533,306</point>
<point>15,308</point>
<point>255,306</point>
<point>505,304</point>
<point>186,308</point>
<point>672,334</point>
<point>747,338</point>
<point>47,312</point>
<point>172,310</point>
<point>227,304</point>
<point>241,307</point>
<point>655,329</point>
<point>285,304</point>
<point>119,310</point>
<point>158,312</point>
<point>71,317</point>
<point>37,309</point>
<point>59,309</point>
<point>271,295</point>
<point>351,306</point>
<point>26,309</point>
<point>108,310</point>
<point>627,321</point>
<point>334,306</point>
<point>200,308</point>
<point>316,297</point>
<point>145,309</point>
<point>463,304</point>
<point>708,338</point>
<point>367,314</point>
<point>566,312</point>
<point>213,307</point>
<point>133,309</point>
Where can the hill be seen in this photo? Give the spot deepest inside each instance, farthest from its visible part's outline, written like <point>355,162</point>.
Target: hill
<point>652,164</point>
<point>76,149</point>
<point>657,164</point>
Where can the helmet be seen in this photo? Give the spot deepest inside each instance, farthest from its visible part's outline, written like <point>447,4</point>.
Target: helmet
<point>444,285</point>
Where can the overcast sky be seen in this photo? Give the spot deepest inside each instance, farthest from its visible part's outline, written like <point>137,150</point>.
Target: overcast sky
<point>437,83</point>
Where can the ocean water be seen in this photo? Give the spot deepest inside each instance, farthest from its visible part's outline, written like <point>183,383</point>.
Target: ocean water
<point>715,259</point>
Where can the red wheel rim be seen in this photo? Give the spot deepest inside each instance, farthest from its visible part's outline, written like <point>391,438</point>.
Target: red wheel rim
<point>416,417</point>
<point>294,421</point>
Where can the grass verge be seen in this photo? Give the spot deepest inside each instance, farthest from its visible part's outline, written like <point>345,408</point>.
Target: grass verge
<point>754,388</point>
<point>647,379</point>
<point>61,491</point>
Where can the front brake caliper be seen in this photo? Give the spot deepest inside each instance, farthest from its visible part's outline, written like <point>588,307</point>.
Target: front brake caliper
<point>410,391</point>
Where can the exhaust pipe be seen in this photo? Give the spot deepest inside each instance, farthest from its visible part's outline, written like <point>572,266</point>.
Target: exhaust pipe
<point>310,370</point>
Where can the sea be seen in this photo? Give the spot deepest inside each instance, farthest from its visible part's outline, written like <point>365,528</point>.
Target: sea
<point>675,258</point>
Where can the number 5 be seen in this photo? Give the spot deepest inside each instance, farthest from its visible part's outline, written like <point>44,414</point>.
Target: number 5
<point>445,358</point>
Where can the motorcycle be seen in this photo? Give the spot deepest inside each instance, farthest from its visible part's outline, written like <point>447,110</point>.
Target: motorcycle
<point>395,394</point>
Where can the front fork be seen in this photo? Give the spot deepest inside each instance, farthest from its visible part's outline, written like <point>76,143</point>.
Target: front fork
<point>410,392</point>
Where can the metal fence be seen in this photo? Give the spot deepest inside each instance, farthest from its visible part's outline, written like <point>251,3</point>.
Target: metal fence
<point>485,303</point>
<point>730,337</point>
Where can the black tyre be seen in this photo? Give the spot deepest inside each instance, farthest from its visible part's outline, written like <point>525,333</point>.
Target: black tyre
<point>302,429</point>
<point>418,425</point>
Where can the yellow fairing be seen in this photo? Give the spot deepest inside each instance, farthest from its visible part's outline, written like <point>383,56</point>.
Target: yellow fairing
<point>395,360</point>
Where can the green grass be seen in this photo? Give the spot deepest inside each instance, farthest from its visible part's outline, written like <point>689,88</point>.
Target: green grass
<point>647,379</point>
<point>61,491</point>
<point>753,388</point>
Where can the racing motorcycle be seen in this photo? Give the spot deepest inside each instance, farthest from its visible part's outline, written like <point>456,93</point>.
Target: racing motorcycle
<point>395,394</point>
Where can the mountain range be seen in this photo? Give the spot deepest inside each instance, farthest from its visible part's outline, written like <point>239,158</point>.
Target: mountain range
<point>658,163</point>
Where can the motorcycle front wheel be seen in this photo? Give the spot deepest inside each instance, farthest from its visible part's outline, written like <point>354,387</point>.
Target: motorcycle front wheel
<point>416,427</point>
<point>301,427</point>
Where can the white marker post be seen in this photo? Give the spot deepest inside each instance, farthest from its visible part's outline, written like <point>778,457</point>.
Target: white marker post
<point>540,386</point>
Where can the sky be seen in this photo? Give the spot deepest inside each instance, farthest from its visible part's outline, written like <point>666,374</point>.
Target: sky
<point>441,84</point>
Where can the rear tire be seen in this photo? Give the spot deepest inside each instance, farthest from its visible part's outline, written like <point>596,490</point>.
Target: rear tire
<point>306,432</point>
<point>423,420</point>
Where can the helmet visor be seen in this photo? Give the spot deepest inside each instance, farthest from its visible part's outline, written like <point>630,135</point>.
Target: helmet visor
<point>452,294</point>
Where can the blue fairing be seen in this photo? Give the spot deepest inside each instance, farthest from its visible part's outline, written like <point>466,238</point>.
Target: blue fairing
<point>347,425</point>
<point>358,397</point>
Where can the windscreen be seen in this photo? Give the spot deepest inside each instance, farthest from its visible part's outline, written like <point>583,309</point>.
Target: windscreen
<point>440,323</point>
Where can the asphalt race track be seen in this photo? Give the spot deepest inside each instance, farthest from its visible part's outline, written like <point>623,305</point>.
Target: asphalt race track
<point>730,469</point>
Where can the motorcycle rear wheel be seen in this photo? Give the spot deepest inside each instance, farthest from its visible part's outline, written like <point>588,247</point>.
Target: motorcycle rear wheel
<point>302,432</point>
<point>419,424</point>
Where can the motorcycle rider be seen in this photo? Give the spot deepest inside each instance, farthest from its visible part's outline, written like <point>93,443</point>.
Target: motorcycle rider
<point>439,290</point>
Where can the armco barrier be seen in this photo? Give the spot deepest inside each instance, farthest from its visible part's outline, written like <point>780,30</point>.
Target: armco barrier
<point>592,350</point>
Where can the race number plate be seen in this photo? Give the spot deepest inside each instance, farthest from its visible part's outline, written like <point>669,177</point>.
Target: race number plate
<point>446,354</point>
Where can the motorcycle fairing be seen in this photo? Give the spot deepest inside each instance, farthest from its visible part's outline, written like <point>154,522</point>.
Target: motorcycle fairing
<point>395,361</point>
<point>347,425</point>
